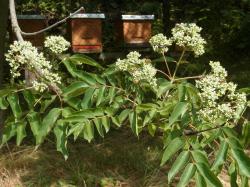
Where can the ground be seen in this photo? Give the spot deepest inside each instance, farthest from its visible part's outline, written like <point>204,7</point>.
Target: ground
<point>118,160</point>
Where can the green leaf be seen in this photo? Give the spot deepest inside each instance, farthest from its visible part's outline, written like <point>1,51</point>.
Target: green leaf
<point>84,115</point>
<point>20,132</point>
<point>245,137</point>
<point>174,146</point>
<point>181,92</point>
<point>84,76</point>
<point>88,131</point>
<point>200,181</point>
<point>74,103</point>
<point>220,157</point>
<point>192,93</point>
<point>111,94</point>
<point>152,129</point>
<point>178,111</point>
<point>35,123</point>
<point>206,172</point>
<point>233,175</point>
<point>200,157</point>
<point>13,100</point>
<point>244,182</point>
<point>169,137</point>
<point>146,107</point>
<point>243,161</point>
<point>187,174</point>
<point>178,164</point>
<point>116,121</point>
<point>76,130</point>
<point>41,130</point>
<point>87,98</point>
<point>148,118</point>
<point>83,59</point>
<point>3,103</point>
<point>75,89</point>
<point>134,122</point>
<point>164,86</point>
<point>47,102</point>
<point>99,127</point>
<point>8,132</point>
<point>29,98</point>
<point>100,96</point>
<point>50,119</point>
<point>106,123</point>
<point>123,115</point>
<point>61,138</point>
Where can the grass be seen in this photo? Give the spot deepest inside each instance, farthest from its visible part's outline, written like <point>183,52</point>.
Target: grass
<point>118,160</point>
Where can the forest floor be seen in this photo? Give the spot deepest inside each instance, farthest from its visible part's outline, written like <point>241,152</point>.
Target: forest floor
<point>119,160</point>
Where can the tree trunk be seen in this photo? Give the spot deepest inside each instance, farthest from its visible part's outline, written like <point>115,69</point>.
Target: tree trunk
<point>3,31</point>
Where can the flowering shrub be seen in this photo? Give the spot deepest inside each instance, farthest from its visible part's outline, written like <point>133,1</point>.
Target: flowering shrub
<point>140,69</point>
<point>196,121</point>
<point>187,35</point>
<point>219,98</point>
<point>56,44</point>
<point>22,55</point>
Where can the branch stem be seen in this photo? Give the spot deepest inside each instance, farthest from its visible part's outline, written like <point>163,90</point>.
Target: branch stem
<point>177,65</point>
<point>52,26</point>
<point>165,60</point>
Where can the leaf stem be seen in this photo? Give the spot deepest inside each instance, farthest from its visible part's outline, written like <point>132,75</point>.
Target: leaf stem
<point>177,65</point>
<point>164,74</point>
<point>165,60</point>
<point>185,78</point>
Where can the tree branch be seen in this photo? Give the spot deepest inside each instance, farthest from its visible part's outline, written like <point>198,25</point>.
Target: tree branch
<point>17,31</point>
<point>192,133</point>
<point>52,26</point>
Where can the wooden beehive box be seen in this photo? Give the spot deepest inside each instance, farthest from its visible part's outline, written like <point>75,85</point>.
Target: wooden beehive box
<point>33,23</point>
<point>86,33</point>
<point>135,30</point>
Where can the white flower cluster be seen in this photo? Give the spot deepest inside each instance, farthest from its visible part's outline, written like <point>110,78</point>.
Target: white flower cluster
<point>22,55</point>
<point>140,69</point>
<point>187,35</point>
<point>160,43</point>
<point>219,97</point>
<point>56,44</point>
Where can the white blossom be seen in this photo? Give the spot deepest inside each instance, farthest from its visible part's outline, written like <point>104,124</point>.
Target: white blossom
<point>140,69</point>
<point>187,35</point>
<point>160,43</point>
<point>219,97</point>
<point>56,44</point>
<point>22,55</point>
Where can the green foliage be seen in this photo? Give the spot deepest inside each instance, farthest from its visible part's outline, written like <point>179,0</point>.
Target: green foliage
<point>92,104</point>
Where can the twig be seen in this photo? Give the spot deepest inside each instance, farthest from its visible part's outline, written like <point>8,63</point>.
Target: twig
<point>164,74</point>
<point>192,133</point>
<point>166,64</point>
<point>185,78</point>
<point>177,65</point>
<point>51,26</point>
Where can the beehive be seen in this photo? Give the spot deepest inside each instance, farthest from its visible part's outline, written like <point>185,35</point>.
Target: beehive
<point>86,33</point>
<point>33,23</point>
<point>135,30</point>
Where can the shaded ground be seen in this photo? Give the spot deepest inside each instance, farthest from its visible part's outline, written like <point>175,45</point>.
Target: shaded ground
<point>119,160</point>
